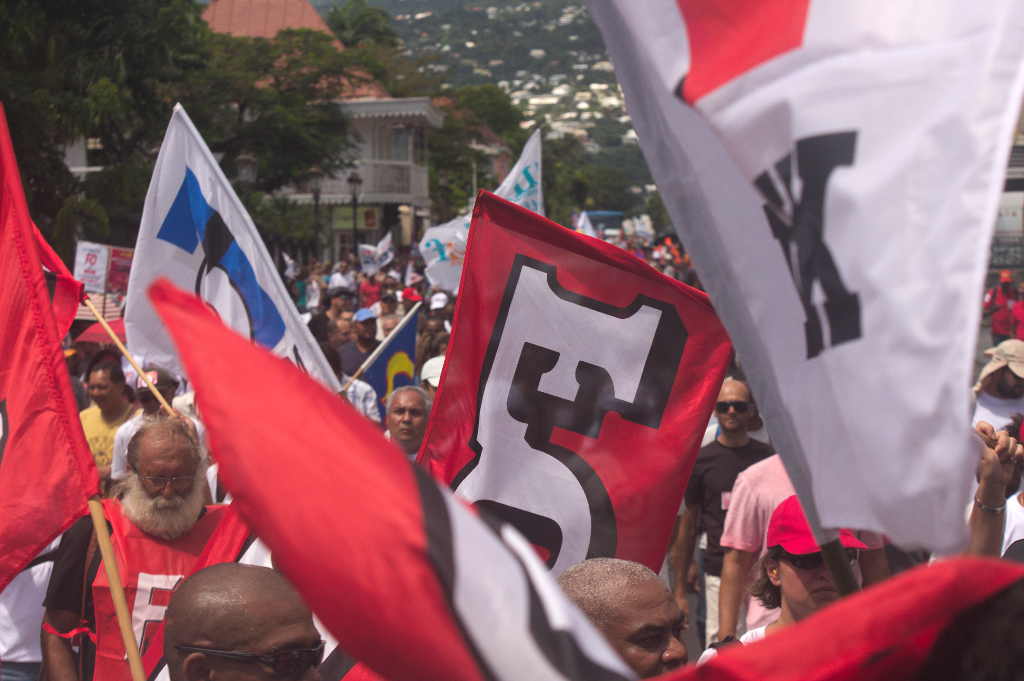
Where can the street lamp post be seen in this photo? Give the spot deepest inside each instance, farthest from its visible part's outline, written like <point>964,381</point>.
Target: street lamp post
<point>354,183</point>
<point>315,188</point>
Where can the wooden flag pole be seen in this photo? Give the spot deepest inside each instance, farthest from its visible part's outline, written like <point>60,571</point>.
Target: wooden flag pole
<point>380,348</point>
<point>124,620</point>
<point>131,360</point>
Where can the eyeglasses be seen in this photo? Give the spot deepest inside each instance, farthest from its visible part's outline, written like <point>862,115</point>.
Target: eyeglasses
<point>179,483</point>
<point>814,561</point>
<point>739,406</point>
<point>291,663</point>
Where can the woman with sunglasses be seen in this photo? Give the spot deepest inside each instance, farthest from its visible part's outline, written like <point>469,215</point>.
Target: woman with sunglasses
<point>792,573</point>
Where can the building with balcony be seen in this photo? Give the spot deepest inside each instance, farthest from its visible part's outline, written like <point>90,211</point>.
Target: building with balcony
<point>387,190</point>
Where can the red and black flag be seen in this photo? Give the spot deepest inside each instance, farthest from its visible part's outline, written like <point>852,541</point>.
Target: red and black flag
<point>578,385</point>
<point>917,625</point>
<point>409,580</point>
<point>46,470</point>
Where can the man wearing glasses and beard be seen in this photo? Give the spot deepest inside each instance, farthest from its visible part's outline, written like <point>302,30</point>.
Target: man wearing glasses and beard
<point>707,498</point>
<point>159,528</point>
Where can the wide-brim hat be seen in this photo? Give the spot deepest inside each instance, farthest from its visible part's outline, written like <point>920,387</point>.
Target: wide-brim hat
<point>1009,353</point>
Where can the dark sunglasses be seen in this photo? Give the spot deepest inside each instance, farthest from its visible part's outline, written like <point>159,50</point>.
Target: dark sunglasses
<point>814,561</point>
<point>291,663</point>
<point>739,406</point>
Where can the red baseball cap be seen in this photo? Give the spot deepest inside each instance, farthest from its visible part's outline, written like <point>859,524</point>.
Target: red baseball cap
<point>410,294</point>
<point>789,529</point>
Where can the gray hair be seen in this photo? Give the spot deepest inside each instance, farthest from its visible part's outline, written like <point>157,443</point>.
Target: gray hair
<point>427,402</point>
<point>597,585</point>
<point>162,425</point>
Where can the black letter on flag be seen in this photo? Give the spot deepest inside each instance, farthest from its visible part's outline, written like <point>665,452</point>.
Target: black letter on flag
<point>798,222</point>
<point>541,373</point>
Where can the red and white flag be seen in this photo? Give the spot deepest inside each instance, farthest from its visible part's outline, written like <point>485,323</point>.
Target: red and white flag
<point>578,384</point>
<point>46,470</point>
<point>834,168</point>
<point>408,579</point>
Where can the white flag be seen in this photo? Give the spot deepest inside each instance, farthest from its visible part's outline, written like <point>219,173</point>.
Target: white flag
<point>196,233</point>
<point>584,225</point>
<point>876,134</point>
<point>373,258</point>
<point>444,246</point>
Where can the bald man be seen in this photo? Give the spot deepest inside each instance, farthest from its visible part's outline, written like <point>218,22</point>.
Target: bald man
<point>242,622</point>
<point>632,608</point>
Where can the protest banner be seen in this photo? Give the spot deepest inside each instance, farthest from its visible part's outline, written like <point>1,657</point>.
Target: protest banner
<point>834,169</point>
<point>376,543</point>
<point>443,247</point>
<point>91,263</point>
<point>196,232</point>
<point>576,390</point>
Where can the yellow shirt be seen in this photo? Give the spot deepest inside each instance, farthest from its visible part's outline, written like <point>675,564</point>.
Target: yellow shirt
<point>99,433</point>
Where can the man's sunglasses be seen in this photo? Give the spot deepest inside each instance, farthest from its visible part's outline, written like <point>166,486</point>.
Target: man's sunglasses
<point>291,663</point>
<point>739,406</point>
<point>814,561</point>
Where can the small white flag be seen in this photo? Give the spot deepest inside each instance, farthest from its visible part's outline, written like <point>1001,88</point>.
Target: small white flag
<point>444,246</point>
<point>373,258</point>
<point>196,232</point>
<point>584,225</point>
<point>835,170</point>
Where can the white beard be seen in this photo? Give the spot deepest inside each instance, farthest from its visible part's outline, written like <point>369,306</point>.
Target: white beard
<point>162,517</point>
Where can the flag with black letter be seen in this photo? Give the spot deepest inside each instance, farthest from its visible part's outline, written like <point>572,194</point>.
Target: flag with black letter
<point>835,169</point>
<point>46,470</point>
<point>577,386</point>
<point>375,542</point>
<point>443,247</point>
<point>196,232</point>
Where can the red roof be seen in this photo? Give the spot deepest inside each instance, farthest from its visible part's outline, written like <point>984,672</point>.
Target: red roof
<point>267,18</point>
<point>262,18</point>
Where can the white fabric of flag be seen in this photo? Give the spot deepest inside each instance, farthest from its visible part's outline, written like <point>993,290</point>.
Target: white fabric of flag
<point>835,168</point>
<point>443,247</point>
<point>584,225</point>
<point>373,258</point>
<point>196,232</point>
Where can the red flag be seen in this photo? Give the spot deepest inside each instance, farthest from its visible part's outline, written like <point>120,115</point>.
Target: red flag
<point>65,291</point>
<point>46,470</point>
<point>409,581</point>
<point>578,384</point>
<point>885,632</point>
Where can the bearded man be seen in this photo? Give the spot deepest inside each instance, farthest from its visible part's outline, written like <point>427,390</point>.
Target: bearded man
<point>161,531</point>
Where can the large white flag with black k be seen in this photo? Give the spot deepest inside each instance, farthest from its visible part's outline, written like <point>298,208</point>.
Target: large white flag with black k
<point>197,233</point>
<point>834,167</point>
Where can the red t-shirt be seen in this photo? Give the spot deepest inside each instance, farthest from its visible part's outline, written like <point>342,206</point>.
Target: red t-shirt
<point>369,293</point>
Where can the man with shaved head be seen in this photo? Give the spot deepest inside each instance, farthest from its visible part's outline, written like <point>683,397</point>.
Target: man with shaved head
<point>159,528</point>
<point>632,608</point>
<point>233,621</point>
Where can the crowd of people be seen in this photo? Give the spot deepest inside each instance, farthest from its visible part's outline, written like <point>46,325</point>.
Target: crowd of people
<point>742,564</point>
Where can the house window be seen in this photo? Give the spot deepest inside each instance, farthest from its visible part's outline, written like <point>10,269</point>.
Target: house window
<point>401,139</point>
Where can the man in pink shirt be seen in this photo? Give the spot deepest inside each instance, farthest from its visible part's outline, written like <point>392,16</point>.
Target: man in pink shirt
<point>757,492</point>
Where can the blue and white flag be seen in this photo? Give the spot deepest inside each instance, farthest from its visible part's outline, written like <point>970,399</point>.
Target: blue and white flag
<point>196,232</point>
<point>444,246</point>
<point>396,365</point>
<point>373,258</point>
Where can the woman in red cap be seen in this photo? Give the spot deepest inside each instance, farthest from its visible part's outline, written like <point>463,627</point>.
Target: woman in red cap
<point>792,573</point>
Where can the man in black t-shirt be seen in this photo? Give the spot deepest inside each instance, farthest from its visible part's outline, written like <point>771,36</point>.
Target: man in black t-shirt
<point>707,496</point>
<point>357,350</point>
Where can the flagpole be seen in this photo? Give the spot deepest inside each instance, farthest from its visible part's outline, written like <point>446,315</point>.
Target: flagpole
<point>131,360</point>
<point>839,565</point>
<point>124,622</point>
<point>380,348</point>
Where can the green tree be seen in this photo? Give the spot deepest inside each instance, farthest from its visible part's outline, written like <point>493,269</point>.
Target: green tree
<point>101,69</point>
<point>491,106</point>
<point>356,23</point>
